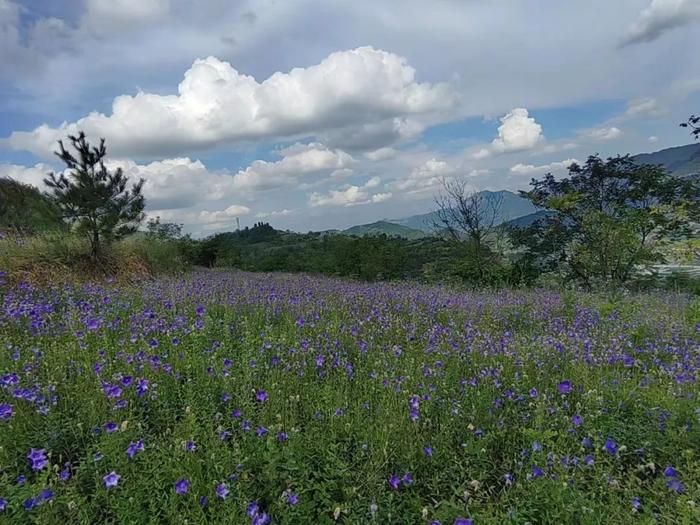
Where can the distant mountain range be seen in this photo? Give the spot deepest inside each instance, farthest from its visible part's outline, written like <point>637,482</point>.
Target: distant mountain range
<point>681,161</point>
<point>387,228</point>
<point>512,207</point>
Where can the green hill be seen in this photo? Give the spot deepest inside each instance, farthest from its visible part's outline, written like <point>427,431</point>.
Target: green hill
<point>23,208</point>
<point>385,228</point>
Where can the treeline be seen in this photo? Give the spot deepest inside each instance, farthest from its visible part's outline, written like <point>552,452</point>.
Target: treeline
<point>371,258</point>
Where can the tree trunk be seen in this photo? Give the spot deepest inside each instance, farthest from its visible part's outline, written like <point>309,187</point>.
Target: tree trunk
<point>95,245</point>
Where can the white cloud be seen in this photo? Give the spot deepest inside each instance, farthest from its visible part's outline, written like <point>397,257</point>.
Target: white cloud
<point>643,106</point>
<point>605,133</point>
<point>33,175</point>
<point>517,132</point>
<point>349,195</point>
<point>381,154</point>
<point>425,177</point>
<point>349,95</point>
<point>662,16</point>
<point>178,183</point>
<point>227,215</point>
<point>530,169</point>
<point>275,213</point>
<point>381,197</point>
<point>482,153</point>
<point>300,160</point>
<point>653,139</point>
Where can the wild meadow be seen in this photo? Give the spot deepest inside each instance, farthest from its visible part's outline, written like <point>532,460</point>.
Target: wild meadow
<point>229,397</point>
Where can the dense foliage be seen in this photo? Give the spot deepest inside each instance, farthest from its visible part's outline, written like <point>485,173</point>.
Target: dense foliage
<point>608,218</point>
<point>309,400</point>
<point>369,258</point>
<point>25,210</point>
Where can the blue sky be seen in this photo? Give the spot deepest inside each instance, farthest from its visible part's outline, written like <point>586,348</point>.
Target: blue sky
<point>318,115</point>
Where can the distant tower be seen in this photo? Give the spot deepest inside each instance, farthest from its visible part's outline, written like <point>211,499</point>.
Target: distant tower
<point>238,224</point>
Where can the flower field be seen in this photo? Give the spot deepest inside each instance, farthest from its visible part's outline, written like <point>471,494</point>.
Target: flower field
<point>270,398</point>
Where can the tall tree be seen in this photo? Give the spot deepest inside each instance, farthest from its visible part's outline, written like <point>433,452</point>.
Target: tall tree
<point>468,218</point>
<point>609,216</point>
<point>94,200</point>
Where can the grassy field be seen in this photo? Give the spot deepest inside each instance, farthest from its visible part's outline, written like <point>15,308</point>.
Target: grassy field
<point>266,398</point>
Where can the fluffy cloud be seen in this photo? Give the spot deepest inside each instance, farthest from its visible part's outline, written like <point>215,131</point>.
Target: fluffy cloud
<point>178,183</point>
<point>530,169</point>
<point>350,96</point>
<point>227,215</point>
<point>662,16</point>
<point>350,195</point>
<point>605,133</point>
<point>425,177</point>
<point>517,132</point>
<point>297,162</point>
<point>33,175</point>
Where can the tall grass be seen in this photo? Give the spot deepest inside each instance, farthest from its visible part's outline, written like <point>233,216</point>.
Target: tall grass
<point>58,257</point>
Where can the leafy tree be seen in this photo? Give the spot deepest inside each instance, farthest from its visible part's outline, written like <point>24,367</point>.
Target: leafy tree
<point>164,231</point>
<point>94,200</point>
<point>694,124</point>
<point>609,217</point>
<point>24,209</point>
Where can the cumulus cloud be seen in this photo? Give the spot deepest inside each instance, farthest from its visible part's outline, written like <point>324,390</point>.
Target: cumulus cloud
<point>178,183</point>
<point>605,133</point>
<point>425,177</point>
<point>349,195</point>
<point>660,17</point>
<point>227,215</point>
<point>299,161</point>
<point>33,175</point>
<point>349,96</point>
<point>517,132</point>
<point>530,169</point>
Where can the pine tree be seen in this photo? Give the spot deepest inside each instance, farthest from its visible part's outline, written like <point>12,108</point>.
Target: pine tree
<point>92,199</point>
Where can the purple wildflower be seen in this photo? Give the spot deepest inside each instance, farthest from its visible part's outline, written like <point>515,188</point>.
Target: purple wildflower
<point>5,411</point>
<point>182,486</point>
<point>111,480</point>
<point>38,458</point>
<point>134,448</point>
<point>260,396</point>
<point>394,481</point>
<point>564,387</point>
<point>610,446</point>
<point>222,491</point>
